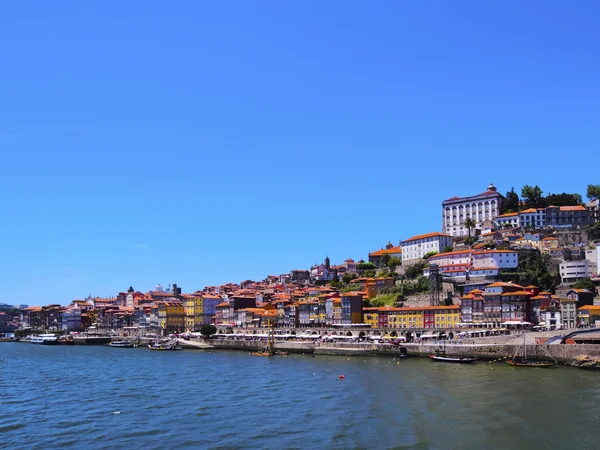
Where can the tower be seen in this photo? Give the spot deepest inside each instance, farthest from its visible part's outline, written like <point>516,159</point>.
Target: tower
<point>435,283</point>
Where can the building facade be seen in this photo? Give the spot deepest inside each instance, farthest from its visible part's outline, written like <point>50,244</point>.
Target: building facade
<point>416,247</point>
<point>482,207</point>
<point>572,271</point>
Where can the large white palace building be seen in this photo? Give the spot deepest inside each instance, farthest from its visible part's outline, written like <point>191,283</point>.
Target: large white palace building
<point>482,207</point>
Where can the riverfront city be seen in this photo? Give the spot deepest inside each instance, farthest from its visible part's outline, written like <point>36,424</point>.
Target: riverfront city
<point>501,264</point>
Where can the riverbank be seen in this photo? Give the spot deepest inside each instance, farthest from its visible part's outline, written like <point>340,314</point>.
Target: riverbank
<point>563,354</point>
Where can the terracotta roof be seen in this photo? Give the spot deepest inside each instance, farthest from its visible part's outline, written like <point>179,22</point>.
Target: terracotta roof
<point>456,252</point>
<point>425,236</point>
<point>384,251</point>
<point>572,208</point>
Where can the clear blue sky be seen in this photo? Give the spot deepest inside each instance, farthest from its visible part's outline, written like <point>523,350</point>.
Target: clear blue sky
<point>202,142</point>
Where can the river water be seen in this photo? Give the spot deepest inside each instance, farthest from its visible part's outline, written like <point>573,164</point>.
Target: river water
<point>102,397</point>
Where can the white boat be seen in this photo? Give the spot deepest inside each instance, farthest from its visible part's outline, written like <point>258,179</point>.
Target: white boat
<point>44,339</point>
<point>123,343</point>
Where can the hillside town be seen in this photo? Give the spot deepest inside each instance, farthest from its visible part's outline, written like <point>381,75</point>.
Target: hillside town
<point>496,261</point>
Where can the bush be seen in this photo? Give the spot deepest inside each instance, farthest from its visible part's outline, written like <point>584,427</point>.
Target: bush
<point>208,330</point>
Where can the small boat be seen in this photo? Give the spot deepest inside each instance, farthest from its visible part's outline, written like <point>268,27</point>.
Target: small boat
<point>520,360</point>
<point>66,340</point>
<point>122,343</point>
<point>165,346</point>
<point>44,339</point>
<point>451,359</point>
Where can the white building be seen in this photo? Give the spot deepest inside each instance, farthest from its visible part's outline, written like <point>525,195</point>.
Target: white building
<point>417,246</point>
<point>534,218</point>
<point>500,259</point>
<point>480,208</point>
<point>508,220</point>
<point>572,271</point>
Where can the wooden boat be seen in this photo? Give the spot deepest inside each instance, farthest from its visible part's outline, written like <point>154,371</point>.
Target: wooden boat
<point>453,359</point>
<point>519,362</point>
<point>519,359</point>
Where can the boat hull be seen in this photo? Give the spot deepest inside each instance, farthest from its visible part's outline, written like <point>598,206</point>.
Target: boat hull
<point>447,359</point>
<point>530,364</point>
<point>164,348</point>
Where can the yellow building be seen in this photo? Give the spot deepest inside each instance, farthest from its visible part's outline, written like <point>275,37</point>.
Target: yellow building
<point>447,316</point>
<point>371,317</point>
<point>171,317</point>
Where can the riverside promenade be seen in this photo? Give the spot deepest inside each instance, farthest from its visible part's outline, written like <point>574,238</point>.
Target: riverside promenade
<point>491,348</point>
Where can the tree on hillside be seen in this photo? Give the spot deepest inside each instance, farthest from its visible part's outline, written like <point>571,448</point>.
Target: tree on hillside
<point>447,248</point>
<point>385,259</point>
<point>533,269</point>
<point>563,199</point>
<point>532,196</point>
<point>470,223</point>
<point>586,283</point>
<point>364,266</point>
<point>415,270</point>
<point>593,191</point>
<point>429,254</point>
<point>511,203</point>
<point>348,277</point>
<point>393,263</point>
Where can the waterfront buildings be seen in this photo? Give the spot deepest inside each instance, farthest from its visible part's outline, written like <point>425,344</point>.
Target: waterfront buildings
<point>416,247</point>
<point>479,208</point>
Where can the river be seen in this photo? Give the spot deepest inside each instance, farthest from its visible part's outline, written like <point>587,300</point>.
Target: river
<point>102,397</point>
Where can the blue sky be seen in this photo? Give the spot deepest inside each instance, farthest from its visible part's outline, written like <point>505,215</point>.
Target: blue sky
<point>207,142</point>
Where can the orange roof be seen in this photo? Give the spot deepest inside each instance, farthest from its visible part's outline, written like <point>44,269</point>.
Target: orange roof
<point>506,294</point>
<point>485,252</point>
<point>549,238</point>
<point>425,236</point>
<point>589,307</point>
<point>456,252</point>
<point>507,215</point>
<point>222,304</point>
<point>384,251</point>
<point>530,210</point>
<point>572,208</point>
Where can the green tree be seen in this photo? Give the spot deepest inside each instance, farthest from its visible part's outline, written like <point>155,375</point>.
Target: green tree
<point>447,248</point>
<point>511,203</point>
<point>393,263</point>
<point>429,254</point>
<point>593,191</point>
<point>533,196</point>
<point>361,267</point>
<point>469,223</point>
<point>348,277</point>
<point>423,284</point>
<point>563,199</point>
<point>415,270</point>
<point>586,283</point>
<point>385,259</point>
<point>208,330</point>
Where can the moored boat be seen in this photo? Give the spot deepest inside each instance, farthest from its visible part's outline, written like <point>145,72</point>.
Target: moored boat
<point>165,346</point>
<point>453,359</point>
<point>66,340</point>
<point>520,359</point>
<point>44,339</point>
<point>121,343</point>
